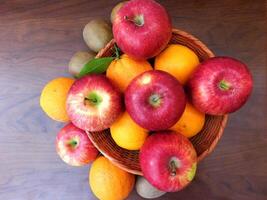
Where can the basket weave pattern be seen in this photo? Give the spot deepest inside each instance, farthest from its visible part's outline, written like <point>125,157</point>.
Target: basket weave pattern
<point>204,142</point>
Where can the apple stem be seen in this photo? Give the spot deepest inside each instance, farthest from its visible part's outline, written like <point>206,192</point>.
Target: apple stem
<point>137,20</point>
<point>73,143</point>
<point>155,100</point>
<point>224,85</point>
<point>173,168</point>
<point>91,100</point>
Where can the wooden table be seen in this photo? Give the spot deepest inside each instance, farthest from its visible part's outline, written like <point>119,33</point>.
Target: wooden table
<point>37,39</point>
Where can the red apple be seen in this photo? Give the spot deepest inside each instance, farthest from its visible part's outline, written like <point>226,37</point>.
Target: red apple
<point>93,103</point>
<point>220,85</point>
<point>74,147</point>
<point>168,161</point>
<point>155,100</point>
<point>142,29</point>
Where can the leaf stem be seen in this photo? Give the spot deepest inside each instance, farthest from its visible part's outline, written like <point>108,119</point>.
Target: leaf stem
<point>117,51</point>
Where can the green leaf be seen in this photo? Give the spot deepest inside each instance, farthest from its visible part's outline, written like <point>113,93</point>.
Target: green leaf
<point>96,66</point>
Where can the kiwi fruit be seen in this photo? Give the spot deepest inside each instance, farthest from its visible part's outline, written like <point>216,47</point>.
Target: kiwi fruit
<point>115,10</point>
<point>146,190</point>
<point>96,34</point>
<point>78,60</point>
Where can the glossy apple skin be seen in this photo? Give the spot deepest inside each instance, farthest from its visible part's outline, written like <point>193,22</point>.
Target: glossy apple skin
<point>156,155</point>
<point>148,40</point>
<point>91,117</point>
<point>206,93</point>
<point>74,147</point>
<point>171,105</point>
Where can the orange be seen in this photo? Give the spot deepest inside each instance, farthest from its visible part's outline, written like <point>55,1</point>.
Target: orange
<point>191,122</point>
<point>109,182</point>
<point>53,98</point>
<point>123,70</point>
<point>127,134</point>
<point>178,60</point>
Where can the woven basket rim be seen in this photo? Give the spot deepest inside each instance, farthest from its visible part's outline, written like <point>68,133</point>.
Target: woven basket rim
<point>205,153</point>
<point>110,158</point>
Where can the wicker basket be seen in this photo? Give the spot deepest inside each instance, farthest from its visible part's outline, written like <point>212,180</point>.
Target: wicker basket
<point>204,142</point>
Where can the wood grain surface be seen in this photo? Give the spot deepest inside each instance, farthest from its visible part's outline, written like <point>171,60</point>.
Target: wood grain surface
<point>37,39</point>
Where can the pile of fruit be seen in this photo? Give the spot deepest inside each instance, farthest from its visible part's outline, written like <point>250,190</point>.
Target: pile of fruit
<point>151,95</point>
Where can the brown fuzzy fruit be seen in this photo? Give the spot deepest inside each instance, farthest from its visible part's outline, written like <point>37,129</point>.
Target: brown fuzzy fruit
<point>96,34</point>
<point>78,60</point>
<point>146,190</point>
<point>115,10</point>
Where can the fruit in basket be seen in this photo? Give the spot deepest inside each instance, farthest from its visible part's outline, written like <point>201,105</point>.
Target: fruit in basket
<point>127,134</point>
<point>220,85</point>
<point>123,70</point>
<point>115,11</point>
<point>78,60</point>
<point>146,190</point>
<point>155,100</point>
<point>142,29</point>
<point>178,60</point>
<point>109,182</point>
<point>53,98</point>
<point>93,103</point>
<point>191,122</point>
<point>168,161</point>
<point>96,34</point>
<point>74,147</point>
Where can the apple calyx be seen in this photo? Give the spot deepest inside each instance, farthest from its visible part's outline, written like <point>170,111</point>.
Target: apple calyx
<point>174,164</point>
<point>138,20</point>
<point>155,100</point>
<point>224,85</point>
<point>93,99</point>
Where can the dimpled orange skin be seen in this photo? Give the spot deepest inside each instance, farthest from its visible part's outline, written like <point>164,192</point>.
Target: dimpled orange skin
<point>53,98</point>
<point>191,122</point>
<point>178,60</point>
<point>109,182</point>
<point>123,70</point>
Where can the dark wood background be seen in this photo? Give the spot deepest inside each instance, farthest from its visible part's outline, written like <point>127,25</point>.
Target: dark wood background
<point>37,39</point>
